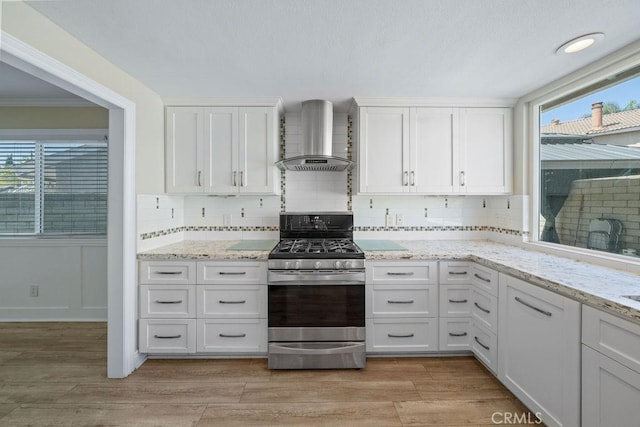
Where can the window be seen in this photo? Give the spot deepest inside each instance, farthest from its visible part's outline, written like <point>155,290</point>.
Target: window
<point>590,167</point>
<point>53,187</point>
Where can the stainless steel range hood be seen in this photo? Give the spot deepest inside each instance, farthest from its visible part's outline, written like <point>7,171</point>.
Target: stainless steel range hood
<point>317,132</point>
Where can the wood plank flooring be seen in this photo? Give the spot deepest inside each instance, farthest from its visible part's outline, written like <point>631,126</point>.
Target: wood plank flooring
<point>54,374</point>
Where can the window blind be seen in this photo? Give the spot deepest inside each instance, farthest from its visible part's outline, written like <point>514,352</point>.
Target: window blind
<point>53,187</point>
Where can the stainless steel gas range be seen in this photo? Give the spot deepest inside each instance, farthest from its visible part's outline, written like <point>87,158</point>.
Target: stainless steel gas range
<point>316,294</point>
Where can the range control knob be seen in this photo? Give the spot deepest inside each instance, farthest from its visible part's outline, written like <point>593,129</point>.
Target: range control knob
<point>338,264</point>
<point>296,265</point>
<point>347,264</point>
<point>286,265</point>
<point>318,264</point>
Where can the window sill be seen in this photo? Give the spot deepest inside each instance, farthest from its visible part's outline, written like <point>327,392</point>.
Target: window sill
<point>619,262</point>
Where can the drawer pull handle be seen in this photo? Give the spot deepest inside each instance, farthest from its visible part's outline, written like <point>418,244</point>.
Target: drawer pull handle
<point>533,307</point>
<point>482,278</point>
<point>232,302</point>
<point>458,334</point>
<point>169,302</point>
<point>458,301</point>
<point>167,337</point>
<point>169,272</point>
<point>400,336</point>
<point>405,273</point>
<point>486,347</point>
<point>481,308</point>
<point>232,335</point>
<point>457,273</point>
<point>232,273</point>
<point>400,302</point>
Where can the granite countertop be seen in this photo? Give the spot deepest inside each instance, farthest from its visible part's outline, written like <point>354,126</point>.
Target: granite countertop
<point>594,285</point>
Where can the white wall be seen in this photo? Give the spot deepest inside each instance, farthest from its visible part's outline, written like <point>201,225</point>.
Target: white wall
<point>71,277</point>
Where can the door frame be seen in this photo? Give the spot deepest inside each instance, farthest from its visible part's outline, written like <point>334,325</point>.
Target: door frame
<point>122,354</point>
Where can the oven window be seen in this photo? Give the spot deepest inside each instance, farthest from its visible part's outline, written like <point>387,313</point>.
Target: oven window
<point>316,305</point>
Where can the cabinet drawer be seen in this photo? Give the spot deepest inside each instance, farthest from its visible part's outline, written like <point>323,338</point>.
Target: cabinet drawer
<point>455,334</point>
<point>484,310</point>
<point>485,279</point>
<point>225,273</point>
<point>388,301</point>
<point>455,300</point>
<point>402,335</point>
<point>159,336</point>
<point>612,336</point>
<point>232,335</point>
<point>400,272</point>
<point>167,272</point>
<point>237,301</point>
<point>168,301</point>
<point>455,272</point>
<point>485,346</point>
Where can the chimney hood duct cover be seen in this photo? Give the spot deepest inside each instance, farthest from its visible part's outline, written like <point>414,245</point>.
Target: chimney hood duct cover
<point>317,132</point>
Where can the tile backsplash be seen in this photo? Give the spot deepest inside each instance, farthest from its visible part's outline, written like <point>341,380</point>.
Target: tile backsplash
<point>165,219</point>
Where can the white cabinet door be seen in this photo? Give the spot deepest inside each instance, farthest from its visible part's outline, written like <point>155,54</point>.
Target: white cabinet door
<point>257,150</point>
<point>539,350</point>
<point>485,151</point>
<point>384,150</point>
<point>610,391</point>
<point>434,156</point>
<point>184,150</point>
<point>220,151</point>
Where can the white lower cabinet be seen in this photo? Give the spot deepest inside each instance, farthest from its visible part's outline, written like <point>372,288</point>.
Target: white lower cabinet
<point>167,336</point>
<point>401,305</point>
<point>232,335</point>
<point>610,370</point>
<point>539,350</point>
<point>206,307</point>
<point>455,333</point>
<point>484,344</point>
<point>393,335</point>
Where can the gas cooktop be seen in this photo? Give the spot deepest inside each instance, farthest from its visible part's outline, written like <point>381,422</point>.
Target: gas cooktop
<point>316,248</point>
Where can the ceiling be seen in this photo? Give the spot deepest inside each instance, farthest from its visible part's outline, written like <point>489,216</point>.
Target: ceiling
<point>338,49</point>
<point>20,88</point>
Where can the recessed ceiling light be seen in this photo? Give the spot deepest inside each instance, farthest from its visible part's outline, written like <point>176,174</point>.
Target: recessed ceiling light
<point>579,43</point>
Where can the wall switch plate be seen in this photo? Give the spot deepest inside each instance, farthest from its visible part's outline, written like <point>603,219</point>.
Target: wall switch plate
<point>388,220</point>
<point>33,290</point>
<point>226,220</point>
<point>399,219</point>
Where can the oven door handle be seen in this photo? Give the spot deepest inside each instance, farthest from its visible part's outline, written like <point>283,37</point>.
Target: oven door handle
<point>283,348</point>
<point>342,278</point>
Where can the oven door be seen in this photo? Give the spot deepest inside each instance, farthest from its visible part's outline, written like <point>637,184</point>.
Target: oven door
<point>321,299</point>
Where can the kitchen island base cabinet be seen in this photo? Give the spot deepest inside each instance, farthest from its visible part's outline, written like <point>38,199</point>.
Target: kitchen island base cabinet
<point>539,350</point>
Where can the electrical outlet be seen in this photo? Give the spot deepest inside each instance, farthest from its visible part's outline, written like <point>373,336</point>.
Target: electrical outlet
<point>399,219</point>
<point>226,220</point>
<point>388,220</point>
<point>33,290</point>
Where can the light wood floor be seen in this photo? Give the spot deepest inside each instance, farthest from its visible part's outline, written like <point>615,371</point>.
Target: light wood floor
<point>54,374</point>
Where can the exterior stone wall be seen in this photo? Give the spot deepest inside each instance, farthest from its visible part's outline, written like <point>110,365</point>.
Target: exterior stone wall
<point>616,198</point>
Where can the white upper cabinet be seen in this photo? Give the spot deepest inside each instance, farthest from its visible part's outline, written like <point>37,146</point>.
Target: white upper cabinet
<point>184,149</point>
<point>384,158</point>
<point>486,162</point>
<point>221,150</point>
<point>434,150</point>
